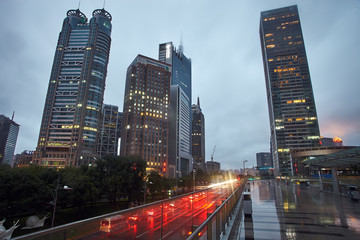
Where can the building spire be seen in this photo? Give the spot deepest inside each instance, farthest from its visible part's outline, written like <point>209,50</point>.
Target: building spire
<point>79,4</point>
<point>104,4</point>
<point>198,101</point>
<point>181,47</point>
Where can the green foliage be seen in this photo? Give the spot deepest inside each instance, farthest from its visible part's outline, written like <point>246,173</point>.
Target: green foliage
<point>24,190</point>
<point>121,177</point>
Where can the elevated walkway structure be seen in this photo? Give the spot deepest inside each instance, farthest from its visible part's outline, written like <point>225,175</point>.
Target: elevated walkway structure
<point>292,211</point>
<point>341,159</point>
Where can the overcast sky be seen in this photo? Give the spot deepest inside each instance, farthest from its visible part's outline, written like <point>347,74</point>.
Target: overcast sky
<point>221,38</point>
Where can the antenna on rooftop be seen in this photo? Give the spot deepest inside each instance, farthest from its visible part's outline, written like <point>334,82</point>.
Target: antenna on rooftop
<point>104,4</point>
<point>181,47</point>
<point>79,4</point>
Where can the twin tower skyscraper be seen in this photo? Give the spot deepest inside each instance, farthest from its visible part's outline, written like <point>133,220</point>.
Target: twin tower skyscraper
<point>151,129</point>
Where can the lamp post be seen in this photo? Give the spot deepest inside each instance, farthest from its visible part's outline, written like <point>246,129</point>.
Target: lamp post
<point>145,189</point>
<point>194,172</point>
<point>245,161</point>
<point>55,198</point>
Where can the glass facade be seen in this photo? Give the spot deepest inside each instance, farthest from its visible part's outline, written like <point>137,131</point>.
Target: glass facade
<point>9,131</point>
<point>180,160</point>
<point>110,131</point>
<point>71,118</point>
<point>292,111</point>
<point>144,130</point>
<point>198,134</point>
<point>180,124</point>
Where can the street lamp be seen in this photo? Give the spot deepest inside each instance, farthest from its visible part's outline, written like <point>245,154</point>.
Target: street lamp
<point>145,189</point>
<point>55,198</point>
<point>194,172</point>
<point>245,161</point>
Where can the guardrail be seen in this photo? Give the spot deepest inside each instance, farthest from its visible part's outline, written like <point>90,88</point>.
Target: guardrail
<point>217,222</point>
<point>191,203</point>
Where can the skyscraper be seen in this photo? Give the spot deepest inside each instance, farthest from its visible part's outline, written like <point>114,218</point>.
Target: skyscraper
<point>292,111</point>
<point>180,118</point>
<point>9,131</point>
<point>198,134</point>
<point>180,160</point>
<point>110,130</point>
<point>144,130</point>
<point>71,118</point>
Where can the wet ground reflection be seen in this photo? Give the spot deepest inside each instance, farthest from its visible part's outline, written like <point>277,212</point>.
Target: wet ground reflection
<point>292,212</point>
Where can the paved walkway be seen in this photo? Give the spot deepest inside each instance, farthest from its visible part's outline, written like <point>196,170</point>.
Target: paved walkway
<point>298,212</point>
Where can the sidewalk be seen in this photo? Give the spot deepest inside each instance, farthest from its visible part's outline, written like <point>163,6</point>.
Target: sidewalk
<point>292,212</point>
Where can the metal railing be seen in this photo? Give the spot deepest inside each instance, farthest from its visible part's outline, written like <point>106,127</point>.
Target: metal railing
<point>216,223</point>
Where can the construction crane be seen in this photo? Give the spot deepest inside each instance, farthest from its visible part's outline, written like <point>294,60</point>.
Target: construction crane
<point>212,155</point>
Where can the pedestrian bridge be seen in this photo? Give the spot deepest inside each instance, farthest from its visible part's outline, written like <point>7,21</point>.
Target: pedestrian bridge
<point>202,214</point>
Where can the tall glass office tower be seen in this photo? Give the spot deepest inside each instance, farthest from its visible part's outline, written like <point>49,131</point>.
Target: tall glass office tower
<point>292,111</point>
<point>180,159</point>
<point>71,118</point>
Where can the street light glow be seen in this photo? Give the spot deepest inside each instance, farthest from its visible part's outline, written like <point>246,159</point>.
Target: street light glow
<point>219,184</point>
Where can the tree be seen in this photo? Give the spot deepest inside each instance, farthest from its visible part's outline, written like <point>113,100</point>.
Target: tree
<point>121,176</point>
<point>134,177</point>
<point>158,184</point>
<point>22,191</point>
<point>83,189</point>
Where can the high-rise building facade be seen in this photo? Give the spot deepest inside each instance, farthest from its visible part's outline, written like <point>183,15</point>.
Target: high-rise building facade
<point>292,111</point>
<point>198,134</point>
<point>180,160</point>
<point>71,117</point>
<point>110,130</point>
<point>9,131</point>
<point>181,66</point>
<point>180,130</point>
<point>144,130</point>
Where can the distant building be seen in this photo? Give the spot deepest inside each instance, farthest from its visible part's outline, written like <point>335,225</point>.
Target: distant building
<point>24,159</point>
<point>71,118</point>
<point>264,163</point>
<point>291,103</point>
<point>263,159</point>
<point>198,134</point>
<point>144,130</point>
<point>180,160</point>
<point>331,142</point>
<point>110,130</point>
<point>211,167</point>
<point>9,131</point>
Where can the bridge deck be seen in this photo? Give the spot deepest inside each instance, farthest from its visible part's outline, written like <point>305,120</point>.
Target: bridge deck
<point>283,211</point>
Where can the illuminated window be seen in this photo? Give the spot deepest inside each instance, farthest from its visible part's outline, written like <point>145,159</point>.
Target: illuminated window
<point>270,46</point>
<point>269,35</point>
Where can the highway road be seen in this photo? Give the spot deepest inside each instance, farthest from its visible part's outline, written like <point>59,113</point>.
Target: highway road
<point>170,219</point>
